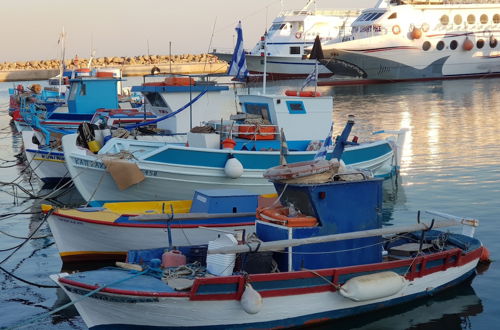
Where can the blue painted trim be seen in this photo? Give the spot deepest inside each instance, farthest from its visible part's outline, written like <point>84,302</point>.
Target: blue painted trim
<point>43,152</point>
<point>179,89</point>
<point>290,104</point>
<point>301,320</point>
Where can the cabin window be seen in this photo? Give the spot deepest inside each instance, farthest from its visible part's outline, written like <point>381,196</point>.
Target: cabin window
<point>484,19</point>
<point>493,42</point>
<point>453,45</point>
<point>74,88</point>
<point>296,107</point>
<point>83,90</point>
<point>259,109</point>
<point>295,50</point>
<point>480,43</point>
<point>457,19</point>
<point>445,19</point>
<point>426,45</point>
<point>155,100</point>
<point>393,16</point>
<point>440,45</point>
<point>471,19</point>
<point>496,18</point>
<point>276,26</point>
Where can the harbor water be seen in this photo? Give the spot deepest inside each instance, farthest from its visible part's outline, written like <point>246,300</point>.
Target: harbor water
<point>451,163</point>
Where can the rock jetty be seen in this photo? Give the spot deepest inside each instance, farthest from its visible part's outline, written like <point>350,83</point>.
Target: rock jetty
<point>135,65</point>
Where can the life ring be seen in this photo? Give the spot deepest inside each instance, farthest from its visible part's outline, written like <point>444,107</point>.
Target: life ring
<point>298,35</point>
<point>155,70</point>
<point>279,215</point>
<point>396,29</point>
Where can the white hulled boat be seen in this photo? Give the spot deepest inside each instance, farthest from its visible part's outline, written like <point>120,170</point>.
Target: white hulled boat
<point>421,39</point>
<point>290,34</point>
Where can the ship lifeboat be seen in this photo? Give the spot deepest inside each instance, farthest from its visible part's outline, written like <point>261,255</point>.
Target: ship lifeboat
<point>317,170</point>
<point>416,33</point>
<point>281,215</point>
<point>468,44</point>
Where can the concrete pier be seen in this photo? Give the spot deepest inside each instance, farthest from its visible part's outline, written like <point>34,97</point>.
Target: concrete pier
<point>130,66</point>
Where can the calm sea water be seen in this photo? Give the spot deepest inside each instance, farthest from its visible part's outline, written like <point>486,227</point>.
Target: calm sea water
<point>451,163</point>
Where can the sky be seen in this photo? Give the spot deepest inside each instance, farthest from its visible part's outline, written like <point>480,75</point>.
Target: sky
<point>30,29</point>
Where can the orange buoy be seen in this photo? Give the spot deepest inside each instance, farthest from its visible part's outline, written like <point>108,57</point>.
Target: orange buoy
<point>396,29</point>
<point>416,33</point>
<point>228,144</point>
<point>468,44</point>
<point>485,256</point>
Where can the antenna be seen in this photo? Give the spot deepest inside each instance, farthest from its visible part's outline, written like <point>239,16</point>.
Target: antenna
<point>264,78</point>
<point>210,43</point>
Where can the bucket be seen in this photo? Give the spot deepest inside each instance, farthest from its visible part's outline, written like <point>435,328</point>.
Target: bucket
<point>173,258</point>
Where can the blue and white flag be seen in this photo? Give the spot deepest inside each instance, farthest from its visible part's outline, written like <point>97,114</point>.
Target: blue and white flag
<point>238,65</point>
<point>283,148</point>
<point>321,154</point>
<point>313,76</point>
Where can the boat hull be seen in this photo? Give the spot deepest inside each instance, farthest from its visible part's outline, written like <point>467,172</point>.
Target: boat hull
<point>283,306</point>
<point>176,173</point>
<point>80,239</point>
<point>48,165</point>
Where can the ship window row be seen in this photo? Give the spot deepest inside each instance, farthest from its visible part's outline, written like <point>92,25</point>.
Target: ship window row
<point>493,43</point>
<point>470,19</point>
<point>368,17</point>
<point>277,26</point>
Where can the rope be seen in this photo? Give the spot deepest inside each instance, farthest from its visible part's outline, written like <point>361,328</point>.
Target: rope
<point>44,315</point>
<point>28,282</point>
<point>16,248</point>
<point>168,115</point>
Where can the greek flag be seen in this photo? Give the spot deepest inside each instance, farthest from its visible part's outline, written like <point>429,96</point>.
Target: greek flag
<point>313,76</point>
<point>321,154</point>
<point>238,65</point>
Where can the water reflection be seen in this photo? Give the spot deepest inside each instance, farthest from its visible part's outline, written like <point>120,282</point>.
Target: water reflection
<point>450,309</point>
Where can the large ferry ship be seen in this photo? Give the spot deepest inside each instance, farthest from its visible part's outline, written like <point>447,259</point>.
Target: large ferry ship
<point>290,34</point>
<point>421,39</point>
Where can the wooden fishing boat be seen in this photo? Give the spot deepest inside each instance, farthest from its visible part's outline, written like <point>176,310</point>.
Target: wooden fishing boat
<point>108,232</point>
<point>343,264</point>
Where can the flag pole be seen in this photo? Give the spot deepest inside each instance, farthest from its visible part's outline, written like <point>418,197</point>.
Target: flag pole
<point>264,78</point>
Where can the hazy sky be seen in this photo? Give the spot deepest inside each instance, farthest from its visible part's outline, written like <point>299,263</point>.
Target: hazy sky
<point>29,29</point>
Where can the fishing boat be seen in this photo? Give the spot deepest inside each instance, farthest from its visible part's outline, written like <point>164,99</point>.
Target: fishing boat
<point>326,258</point>
<point>288,37</point>
<point>109,231</point>
<point>419,40</point>
<point>226,154</point>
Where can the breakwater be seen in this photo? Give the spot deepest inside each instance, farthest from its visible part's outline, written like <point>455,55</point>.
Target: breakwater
<point>131,66</point>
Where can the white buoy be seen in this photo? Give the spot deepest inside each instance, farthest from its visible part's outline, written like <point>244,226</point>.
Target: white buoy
<point>373,286</point>
<point>233,168</point>
<point>251,300</point>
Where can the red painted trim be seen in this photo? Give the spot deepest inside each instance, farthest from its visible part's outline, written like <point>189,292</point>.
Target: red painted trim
<point>334,272</point>
<point>123,292</point>
<point>349,82</point>
<point>157,225</point>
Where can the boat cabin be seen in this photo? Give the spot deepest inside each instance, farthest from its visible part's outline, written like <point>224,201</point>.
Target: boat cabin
<point>258,126</point>
<point>88,94</point>
<point>326,209</point>
<point>173,93</point>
